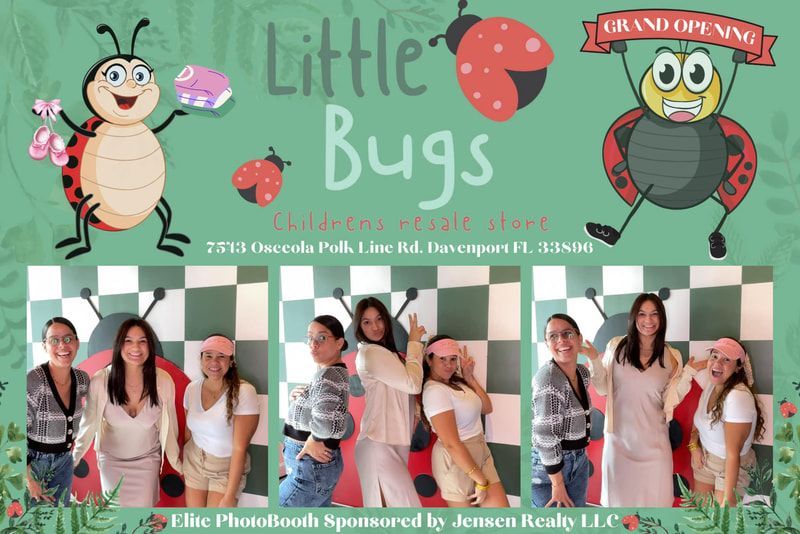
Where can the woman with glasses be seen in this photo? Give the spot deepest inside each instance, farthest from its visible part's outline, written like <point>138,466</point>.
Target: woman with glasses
<point>55,395</point>
<point>643,379</point>
<point>727,420</point>
<point>390,382</point>
<point>316,421</point>
<point>452,402</point>
<point>130,414</point>
<point>561,424</point>
<point>221,418</point>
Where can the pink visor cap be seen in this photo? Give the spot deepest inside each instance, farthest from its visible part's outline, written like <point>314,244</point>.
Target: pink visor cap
<point>221,344</point>
<point>444,347</point>
<point>729,348</point>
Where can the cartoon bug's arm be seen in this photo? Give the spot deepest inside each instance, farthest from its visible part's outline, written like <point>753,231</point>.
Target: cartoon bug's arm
<point>68,121</point>
<point>175,113</point>
<point>620,47</point>
<point>622,136</point>
<point>739,57</point>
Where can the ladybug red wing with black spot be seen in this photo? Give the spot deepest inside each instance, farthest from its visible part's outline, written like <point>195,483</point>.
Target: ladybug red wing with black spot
<point>788,409</point>
<point>260,180</point>
<point>501,63</point>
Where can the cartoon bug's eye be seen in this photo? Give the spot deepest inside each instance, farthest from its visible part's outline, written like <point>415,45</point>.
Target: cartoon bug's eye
<point>115,75</point>
<point>697,72</point>
<point>141,74</point>
<point>666,71</point>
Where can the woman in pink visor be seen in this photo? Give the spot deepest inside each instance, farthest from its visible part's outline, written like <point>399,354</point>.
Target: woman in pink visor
<point>453,401</point>
<point>727,420</point>
<point>221,417</point>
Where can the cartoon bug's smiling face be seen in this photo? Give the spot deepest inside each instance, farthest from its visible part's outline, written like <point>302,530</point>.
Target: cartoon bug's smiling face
<point>681,87</point>
<point>123,90</point>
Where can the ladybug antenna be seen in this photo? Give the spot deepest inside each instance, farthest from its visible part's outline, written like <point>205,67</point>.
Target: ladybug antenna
<point>105,28</point>
<point>289,163</point>
<point>271,150</point>
<point>462,4</point>
<point>435,40</point>
<point>141,24</point>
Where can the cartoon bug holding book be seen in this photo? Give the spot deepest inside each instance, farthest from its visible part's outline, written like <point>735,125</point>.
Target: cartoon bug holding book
<point>115,173</point>
<point>676,149</point>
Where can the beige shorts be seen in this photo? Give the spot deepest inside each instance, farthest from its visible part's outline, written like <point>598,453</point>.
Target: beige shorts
<point>713,471</point>
<point>207,472</point>
<point>453,482</point>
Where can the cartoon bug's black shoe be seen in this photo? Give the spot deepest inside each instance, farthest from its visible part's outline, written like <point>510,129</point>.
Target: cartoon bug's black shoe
<point>601,232</point>
<point>716,246</point>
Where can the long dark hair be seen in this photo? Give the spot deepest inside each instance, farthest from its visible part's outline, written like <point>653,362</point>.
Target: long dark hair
<point>628,348</point>
<point>334,325</point>
<point>456,380</point>
<point>738,377</point>
<point>388,337</point>
<point>231,380</point>
<point>60,320</point>
<point>116,377</point>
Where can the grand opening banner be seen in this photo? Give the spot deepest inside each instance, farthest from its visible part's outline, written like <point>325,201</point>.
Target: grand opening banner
<point>240,167</point>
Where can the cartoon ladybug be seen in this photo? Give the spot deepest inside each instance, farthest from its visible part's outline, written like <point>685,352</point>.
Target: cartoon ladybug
<point>677,149</point>
<point>788,409</point>
<point>116,171</point>
<point>259,181</point>
<point>14,509</point>
<point>501,63</point>
<point>631,522</point>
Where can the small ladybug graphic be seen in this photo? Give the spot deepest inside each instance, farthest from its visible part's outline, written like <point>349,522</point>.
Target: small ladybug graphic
<point>501,63</point>
<point>260,180</point>
<point>116,171</point>
<point>788,409</point>
<point>630,522</point>
<point>677,149</point>
<point>14,509</point>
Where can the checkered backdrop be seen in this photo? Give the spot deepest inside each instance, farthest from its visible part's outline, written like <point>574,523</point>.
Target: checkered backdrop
<point>198,301</point>
<point>479,306</point>
<point>704,304</point>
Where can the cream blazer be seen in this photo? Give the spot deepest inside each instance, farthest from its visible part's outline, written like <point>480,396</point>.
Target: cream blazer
<point>602,373</point>
<point>91,427</point>
<point>389,384</point>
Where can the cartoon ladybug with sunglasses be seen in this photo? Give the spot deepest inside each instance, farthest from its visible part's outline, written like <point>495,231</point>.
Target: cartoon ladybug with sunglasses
<point>677,149</point>
<point>116,172</point>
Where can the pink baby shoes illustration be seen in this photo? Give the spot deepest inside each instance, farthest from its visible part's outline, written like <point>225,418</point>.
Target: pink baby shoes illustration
<point>45,140</point>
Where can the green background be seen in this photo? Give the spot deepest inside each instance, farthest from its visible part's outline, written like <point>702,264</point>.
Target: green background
<point>546,159</point>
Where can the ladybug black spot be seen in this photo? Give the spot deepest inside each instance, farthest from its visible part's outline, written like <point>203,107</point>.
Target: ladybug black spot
<point>748,166</point>
<point>81,470</point>
<point>591,469</point>
<point>66,181</point>
<point>676,489</point>
<point>349,426</point>
<point>425,485</point>
<point>729,188</point>
<point>79,192</point>
<point>621,182</point>
<point>74,205</point>
<point>172,485</point>
<point>675,434</point>
<point>735,145</point>
<point>73,162</point>
<point>743,179</point>
<point>96,125</point>
<point>93,219</point>
<point>73,141</point>
<point>420,439</point>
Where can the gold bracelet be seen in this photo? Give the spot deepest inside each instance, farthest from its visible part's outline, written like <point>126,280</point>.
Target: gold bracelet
<point>692,446</point>
<point>474,467</point>
<point>482,487</point>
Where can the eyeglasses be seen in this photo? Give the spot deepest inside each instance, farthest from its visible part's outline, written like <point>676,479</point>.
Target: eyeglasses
<point>54,340</point>
<point>567,335</point>
<point>319,339</point>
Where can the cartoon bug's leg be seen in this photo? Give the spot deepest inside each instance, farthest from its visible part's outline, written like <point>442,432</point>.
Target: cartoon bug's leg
<point>77,239</point>
<point>716,241</point>
<point>176,236</point>
<point>175,113</point>
<point>620,47</point>
<point>608,234</point>
<point>87,245</point>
